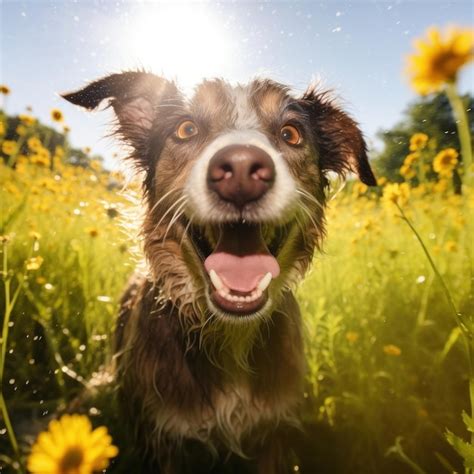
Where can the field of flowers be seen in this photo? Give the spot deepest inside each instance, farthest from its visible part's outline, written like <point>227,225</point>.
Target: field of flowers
<point>388,310</point>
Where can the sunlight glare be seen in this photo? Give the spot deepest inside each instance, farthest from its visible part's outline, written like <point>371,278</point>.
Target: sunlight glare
<point>186,42</point>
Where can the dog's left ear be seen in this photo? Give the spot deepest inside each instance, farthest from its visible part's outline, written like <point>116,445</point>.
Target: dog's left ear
<point>135,97</point>
<point>340,143</point>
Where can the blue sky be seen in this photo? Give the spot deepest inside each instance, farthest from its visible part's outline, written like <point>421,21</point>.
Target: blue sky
<point>355,47</point>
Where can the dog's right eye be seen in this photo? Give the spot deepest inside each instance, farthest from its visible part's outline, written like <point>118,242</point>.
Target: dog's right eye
<point>186,130</point>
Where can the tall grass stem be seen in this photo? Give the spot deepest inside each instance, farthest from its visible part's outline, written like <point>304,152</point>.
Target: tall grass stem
<point>9,304</point>
<point>462,123</point>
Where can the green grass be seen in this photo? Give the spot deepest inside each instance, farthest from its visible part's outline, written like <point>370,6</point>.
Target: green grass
<point>387,370</point>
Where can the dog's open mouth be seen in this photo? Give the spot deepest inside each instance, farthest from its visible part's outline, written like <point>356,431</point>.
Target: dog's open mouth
<point>240,269</point>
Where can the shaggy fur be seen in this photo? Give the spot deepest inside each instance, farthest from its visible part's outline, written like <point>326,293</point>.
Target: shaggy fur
<point>187,371</point>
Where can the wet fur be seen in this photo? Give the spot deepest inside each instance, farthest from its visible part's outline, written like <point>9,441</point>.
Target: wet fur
<point>229,384</point>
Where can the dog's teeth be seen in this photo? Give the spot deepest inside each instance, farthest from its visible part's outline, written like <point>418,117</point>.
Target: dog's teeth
<point>223,293</point>
<point>264,282</point>
<point>216,281</point>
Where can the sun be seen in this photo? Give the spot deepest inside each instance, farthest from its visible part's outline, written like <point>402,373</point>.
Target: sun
<point>186,41</point>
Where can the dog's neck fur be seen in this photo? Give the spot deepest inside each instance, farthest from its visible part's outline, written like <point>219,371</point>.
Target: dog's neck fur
<point>170,378</point>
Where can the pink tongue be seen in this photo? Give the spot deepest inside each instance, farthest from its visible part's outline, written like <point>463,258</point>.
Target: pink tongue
<point>241,258</point>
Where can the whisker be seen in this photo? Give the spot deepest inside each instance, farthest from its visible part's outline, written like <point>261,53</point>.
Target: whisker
<point>164,197</point>
<point>186,230</point>
<point>176,203</point>
<point>308,213</point>
<point>310,197</point>
<point>178,213</point>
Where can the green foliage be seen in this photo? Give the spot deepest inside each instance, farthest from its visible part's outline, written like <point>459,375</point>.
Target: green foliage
<point>431,115</point>
<point>50,137</point>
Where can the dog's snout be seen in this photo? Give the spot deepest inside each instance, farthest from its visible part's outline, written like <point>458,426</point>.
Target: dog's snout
<point>241,173</point>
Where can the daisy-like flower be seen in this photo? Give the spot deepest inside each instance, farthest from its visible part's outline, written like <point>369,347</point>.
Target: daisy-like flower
<point>407,171</point>
<point>411,158</point>
<point>34,143</point>
<point>9,147</point>
<point>451,246</point>
<point>396,193</point>
<point>445,162</point>
<point>70,446</point>
<point>439,57</point>
<point>21,130</point>
<point>5,90</point>
<point>34,263</point>
<point>27,120</point>
<point>92,231</point>
<point>418,141</point>
<point>392,350</point>
<point>352,336</point>
<point>57,115</point>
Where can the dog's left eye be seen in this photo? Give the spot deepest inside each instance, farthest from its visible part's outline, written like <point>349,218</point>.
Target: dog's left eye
<point>186,129</point>
<point>290,135</point>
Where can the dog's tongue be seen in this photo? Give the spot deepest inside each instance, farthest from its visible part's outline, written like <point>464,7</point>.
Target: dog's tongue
<point>241,258</point>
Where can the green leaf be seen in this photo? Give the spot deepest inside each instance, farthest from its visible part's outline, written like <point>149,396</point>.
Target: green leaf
<point>448,345</point>
<point>465,450</point>
<point>468,421</point>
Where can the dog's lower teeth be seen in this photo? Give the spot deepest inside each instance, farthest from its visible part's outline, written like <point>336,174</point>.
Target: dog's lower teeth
<point>225,292</point>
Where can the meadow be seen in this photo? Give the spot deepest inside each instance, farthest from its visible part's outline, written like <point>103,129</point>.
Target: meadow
<point>387,307</point>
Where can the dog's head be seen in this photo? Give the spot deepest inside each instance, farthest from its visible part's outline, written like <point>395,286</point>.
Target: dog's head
<point>234,179</point>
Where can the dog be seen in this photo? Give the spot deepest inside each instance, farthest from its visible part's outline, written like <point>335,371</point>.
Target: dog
<point>209,340</point>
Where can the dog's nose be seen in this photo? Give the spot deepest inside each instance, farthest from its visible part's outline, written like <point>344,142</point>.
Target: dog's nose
<point>241,173</point>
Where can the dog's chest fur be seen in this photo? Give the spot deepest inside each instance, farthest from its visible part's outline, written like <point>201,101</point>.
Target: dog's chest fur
<point>181,394</point>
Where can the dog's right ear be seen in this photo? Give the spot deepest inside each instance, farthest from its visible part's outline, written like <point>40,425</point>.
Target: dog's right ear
<point>135,97</point>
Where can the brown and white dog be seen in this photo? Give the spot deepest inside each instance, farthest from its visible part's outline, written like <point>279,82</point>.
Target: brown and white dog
<point>209,341</point>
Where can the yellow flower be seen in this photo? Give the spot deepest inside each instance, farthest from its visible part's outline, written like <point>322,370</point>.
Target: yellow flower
<point>21,130</point>
<point>42,157</point>
<point>352,336</point>
<point>418,141</point>
<point>396,193</point>
<point>451,246</point>
<point>438,58</point>
<point>392,350</point>
<point>34,263</point>
<point>441,186</point>
<point>35,235</point>
<point>27,120</point>
<point>381,181</point>
<point>59,151</point>
<point>95,165</point>
<point>411,158</point>
<point>359,189</point>
<point>70,446</point>
<point>57,115</point>
<point>34,143</point>
<point>445,162</point>
<point>87,149</point>
<point>2,128</point>
<point>407,172</point>
<point>9,147</point>
<point>92,231</point>
<point>5,90</point>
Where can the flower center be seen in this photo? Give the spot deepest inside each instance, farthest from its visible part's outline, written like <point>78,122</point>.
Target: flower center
<point>71,460</point>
